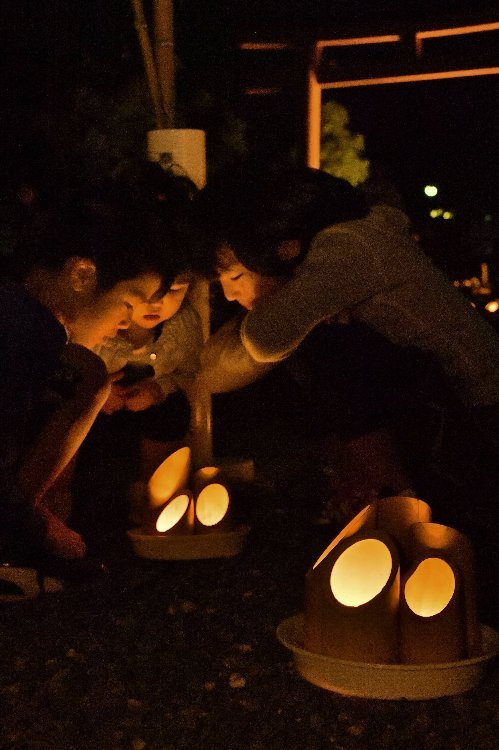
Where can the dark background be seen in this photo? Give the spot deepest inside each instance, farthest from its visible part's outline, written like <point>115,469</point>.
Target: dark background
<point>76,103</point>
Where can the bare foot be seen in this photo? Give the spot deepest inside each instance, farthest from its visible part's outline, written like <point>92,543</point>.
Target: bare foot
<point>59,539</point>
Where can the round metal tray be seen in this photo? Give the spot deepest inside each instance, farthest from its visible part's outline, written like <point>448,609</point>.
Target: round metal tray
<point>188,546</point>
<point>387,681</point>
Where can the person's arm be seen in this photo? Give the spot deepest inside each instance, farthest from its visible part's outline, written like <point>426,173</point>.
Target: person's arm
<point>68,426</point>
<point>338,273</point>
<point>225,363</point>
<point>179,347</point>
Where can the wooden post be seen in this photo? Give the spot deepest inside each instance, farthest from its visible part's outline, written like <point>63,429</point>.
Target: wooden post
<point>184,151</point>
<point>165,57</point>
<point>314,102</point>
<point>149,65</point>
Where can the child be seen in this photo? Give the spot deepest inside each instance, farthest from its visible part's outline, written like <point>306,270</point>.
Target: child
<point>300,249</point>
<point>159,354</point>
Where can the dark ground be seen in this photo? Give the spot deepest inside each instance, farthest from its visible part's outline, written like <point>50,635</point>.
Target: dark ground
<point>183,655</point>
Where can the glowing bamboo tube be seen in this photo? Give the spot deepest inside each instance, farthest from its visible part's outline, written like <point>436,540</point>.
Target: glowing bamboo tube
<point>351,600</point>
<point>431,613</point>
<point>437,540</point>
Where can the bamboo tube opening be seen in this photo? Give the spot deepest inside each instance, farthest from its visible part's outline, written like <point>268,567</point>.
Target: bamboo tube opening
<point>430,588</point>
<point>361,572</point>
<point>212,504</point>
<point>172,513</point>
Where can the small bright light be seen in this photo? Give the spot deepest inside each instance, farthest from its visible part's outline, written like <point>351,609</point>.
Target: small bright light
<point>435,212</point>
<point>492,306</point>
<point>448,215</point>
<point>430,190</point>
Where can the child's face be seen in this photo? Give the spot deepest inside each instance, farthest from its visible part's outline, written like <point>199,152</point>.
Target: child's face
<point>241,285</point>
<point>104,313</point>
<point>154,311</point>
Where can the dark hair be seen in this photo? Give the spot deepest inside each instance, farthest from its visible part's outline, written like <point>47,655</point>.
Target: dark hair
<point>254,210</point>
<point>123,234</point>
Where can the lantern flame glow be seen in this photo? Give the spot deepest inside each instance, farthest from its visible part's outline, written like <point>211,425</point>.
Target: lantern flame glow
<point>361,572</point>
<point>172,513</point>
<point>212,504</point>
<point>430,588</point>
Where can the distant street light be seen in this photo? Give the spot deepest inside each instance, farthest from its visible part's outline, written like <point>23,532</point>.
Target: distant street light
<point>430,190</point>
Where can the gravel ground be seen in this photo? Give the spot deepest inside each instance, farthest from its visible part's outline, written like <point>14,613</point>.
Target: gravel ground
<point>184,656</point>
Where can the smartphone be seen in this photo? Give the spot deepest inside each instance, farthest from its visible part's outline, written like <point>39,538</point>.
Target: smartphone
<point>135,373</point>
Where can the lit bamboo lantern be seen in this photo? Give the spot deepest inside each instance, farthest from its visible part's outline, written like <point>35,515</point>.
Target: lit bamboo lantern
<point>438,597</point>
<point>212,507</point>
<point>177,516</point>
<point>351,598</point>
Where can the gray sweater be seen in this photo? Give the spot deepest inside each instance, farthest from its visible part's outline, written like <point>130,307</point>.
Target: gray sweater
<point>373,268</point>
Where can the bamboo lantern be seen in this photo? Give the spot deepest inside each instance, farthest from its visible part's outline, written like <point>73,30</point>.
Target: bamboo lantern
<point>212,507</point>
<point>177,516</point>
<point>444,618</point>
<point>351,599</point>
<point>353,627</point>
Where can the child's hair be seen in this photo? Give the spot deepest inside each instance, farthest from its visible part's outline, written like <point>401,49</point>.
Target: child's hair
<point>253,210</point>
<point>125,236</point>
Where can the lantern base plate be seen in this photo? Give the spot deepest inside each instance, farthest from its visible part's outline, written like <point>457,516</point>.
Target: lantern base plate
<point>386,681</point>
<point>188,546</point>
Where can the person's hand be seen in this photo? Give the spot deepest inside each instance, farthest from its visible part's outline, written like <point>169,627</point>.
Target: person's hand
<point>141,395</point>
<point>115,401</point>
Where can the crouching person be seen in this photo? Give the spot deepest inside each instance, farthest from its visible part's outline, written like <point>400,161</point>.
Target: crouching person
<point>76,276</point>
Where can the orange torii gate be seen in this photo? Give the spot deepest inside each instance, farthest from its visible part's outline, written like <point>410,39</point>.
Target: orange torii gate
<point>395,54</point>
